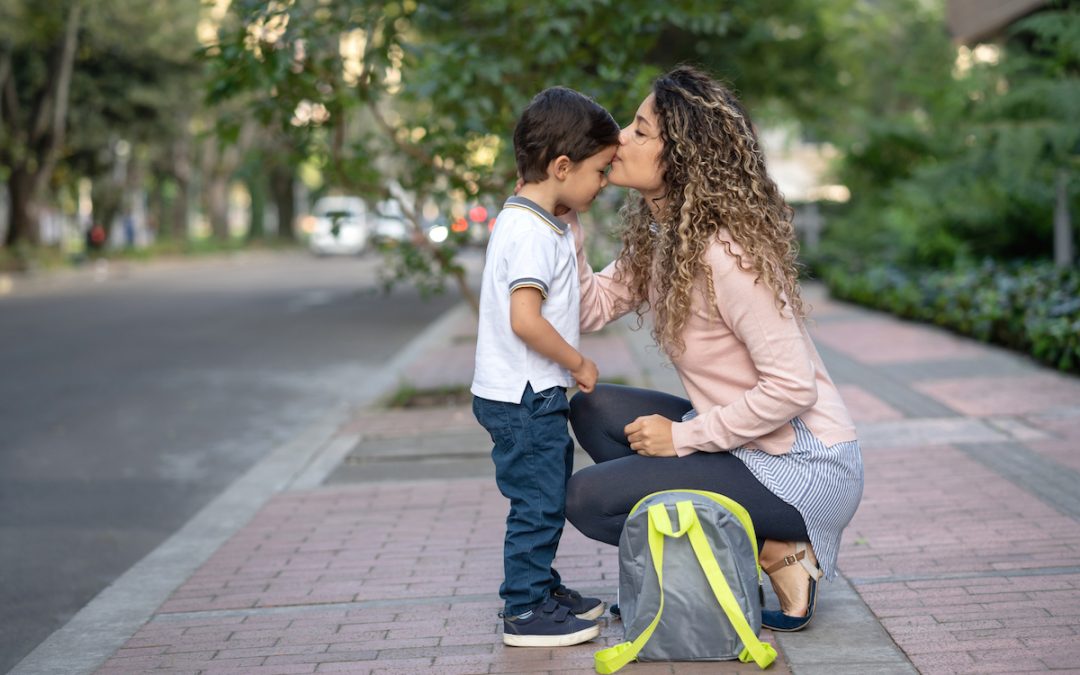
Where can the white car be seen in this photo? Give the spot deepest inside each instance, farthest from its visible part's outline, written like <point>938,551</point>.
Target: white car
<point>388,222</point>
<point>339,226</point>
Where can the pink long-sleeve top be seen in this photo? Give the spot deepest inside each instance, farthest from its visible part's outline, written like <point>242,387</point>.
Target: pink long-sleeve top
<point>748,369</point>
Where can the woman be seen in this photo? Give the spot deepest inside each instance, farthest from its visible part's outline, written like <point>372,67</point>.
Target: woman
<point>709,252</point>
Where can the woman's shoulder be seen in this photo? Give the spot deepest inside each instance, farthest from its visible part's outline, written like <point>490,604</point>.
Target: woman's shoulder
<point>723,254</point>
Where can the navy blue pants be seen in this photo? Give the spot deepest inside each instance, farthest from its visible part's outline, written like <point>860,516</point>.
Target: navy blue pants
<point>534,457</point>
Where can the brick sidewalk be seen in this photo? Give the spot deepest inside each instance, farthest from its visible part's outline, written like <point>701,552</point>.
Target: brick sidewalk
<point>964,546</point>
<point>965,551</point>
<point>383,578</point>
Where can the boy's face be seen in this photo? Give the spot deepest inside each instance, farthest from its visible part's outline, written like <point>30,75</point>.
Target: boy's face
<point>585,180</point>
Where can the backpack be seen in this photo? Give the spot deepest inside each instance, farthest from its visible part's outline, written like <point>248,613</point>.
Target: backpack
<point>691,593</point>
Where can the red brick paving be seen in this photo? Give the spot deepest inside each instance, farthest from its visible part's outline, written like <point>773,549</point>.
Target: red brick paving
<point>881,339</point>
<point>985,396</point>
<point>968,572</point>
<point>866,407</point>
<point>409,576</point>
<point>932,511</point>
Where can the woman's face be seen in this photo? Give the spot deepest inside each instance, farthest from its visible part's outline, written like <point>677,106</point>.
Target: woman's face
<point>637,160</point>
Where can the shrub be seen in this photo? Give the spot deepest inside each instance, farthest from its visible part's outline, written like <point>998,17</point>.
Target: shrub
<point>1030,307</point>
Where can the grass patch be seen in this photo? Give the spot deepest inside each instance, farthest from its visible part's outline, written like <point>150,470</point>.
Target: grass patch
<point>37,258</point>
<point>408,396</point>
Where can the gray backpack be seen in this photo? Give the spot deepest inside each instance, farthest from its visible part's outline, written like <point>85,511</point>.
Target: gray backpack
<point>689,591</point>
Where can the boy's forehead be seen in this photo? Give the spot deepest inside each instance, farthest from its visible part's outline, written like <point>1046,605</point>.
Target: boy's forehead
<point>606,155</point>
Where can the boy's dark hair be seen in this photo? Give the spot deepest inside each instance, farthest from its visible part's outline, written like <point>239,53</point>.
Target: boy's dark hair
<point>560,121</point>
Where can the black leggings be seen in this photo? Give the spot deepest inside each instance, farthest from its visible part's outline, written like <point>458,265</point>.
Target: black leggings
<point>600,497</point>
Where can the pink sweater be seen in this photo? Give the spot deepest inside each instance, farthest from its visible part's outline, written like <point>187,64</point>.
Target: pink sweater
<point>748,373</point>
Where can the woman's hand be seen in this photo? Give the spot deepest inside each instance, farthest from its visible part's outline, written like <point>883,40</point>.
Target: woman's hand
<point>571,218</point>
<point>651,436</point>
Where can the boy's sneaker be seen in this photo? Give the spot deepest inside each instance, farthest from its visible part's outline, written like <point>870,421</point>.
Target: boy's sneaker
<point>581,607</point>
<point>549,625</point>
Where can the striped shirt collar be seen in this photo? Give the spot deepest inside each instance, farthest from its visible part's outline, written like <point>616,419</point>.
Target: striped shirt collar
<point>529,205</point>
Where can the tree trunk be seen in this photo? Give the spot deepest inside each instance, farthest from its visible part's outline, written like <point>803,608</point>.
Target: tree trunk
<point>282,178</point>
<point>1063,235</point>
<point>217,205</point>
<point>107,198</point>
<point>256,186</point>
<point>179,210</point>
<point>181,171</point>
<point>41,136</point>
<point>22,211</point>
<point>155,207</point>
<point>466,291</point>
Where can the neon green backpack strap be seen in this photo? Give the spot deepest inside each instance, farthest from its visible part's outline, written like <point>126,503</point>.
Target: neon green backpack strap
<point>761,653</point>
<point>613,658</point>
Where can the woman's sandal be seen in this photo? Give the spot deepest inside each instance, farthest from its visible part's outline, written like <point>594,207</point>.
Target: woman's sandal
<point>776,619</point>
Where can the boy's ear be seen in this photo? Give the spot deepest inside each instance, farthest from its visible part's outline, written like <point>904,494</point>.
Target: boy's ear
<point>560,167</point>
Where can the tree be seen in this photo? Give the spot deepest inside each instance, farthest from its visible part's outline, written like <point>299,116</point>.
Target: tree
<point>59,56</point>
<point>1035,120</point>
<point>417,100</point>
<point>37,54</point>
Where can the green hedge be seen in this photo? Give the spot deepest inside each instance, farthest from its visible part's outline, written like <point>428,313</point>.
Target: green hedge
<point>1030,307</point>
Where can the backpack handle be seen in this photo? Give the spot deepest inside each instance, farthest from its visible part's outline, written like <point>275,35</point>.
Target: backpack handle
<point>613,658</point>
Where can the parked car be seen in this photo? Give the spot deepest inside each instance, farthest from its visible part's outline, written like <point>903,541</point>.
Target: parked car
<point>339,226</point>
<point>388,223</point>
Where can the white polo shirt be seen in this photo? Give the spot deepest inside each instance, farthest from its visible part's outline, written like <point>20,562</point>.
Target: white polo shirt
<point>529,247</point>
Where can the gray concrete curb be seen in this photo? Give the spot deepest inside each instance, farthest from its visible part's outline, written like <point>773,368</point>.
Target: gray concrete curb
<point>115,614</point>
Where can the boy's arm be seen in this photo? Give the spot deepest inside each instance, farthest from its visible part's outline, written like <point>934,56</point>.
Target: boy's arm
<point>534,330</point>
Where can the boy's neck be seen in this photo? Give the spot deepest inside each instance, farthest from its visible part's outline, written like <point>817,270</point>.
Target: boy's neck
<point>541,194</point>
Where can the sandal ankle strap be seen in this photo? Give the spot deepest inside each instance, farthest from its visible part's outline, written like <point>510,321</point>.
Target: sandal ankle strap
<point>798,557</point>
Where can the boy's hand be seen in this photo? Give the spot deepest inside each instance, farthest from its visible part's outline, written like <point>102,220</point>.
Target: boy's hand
<point>650,435</point>
<point>586,375</point>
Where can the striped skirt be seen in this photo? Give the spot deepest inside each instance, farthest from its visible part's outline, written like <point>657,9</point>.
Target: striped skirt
<point>824,484</point>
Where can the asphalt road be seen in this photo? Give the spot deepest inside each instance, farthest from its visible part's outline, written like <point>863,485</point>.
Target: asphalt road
<point>131,398</point>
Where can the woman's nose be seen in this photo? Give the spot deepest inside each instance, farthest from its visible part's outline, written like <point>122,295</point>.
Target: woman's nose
<point>624,134</point>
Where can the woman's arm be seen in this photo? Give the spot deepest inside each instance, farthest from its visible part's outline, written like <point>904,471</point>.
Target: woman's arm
<point>786,385</point>
<point>605,295</point>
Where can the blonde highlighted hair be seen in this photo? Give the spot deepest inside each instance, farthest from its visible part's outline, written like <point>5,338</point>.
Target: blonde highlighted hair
<point>717,189</point>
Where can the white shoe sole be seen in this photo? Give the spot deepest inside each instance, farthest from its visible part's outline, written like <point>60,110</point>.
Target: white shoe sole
<point>594,613</point>
<point>551,640</point>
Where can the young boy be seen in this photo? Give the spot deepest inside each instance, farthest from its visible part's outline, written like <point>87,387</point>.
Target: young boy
<point>526,356</point>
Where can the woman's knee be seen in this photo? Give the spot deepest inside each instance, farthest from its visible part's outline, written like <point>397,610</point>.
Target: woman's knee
<point>587,511</point>
<point>584,405</point>
<point>588,409</point>
<point>581,506</point>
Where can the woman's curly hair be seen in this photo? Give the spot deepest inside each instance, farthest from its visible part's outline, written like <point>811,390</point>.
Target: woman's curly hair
<point>717,189</point>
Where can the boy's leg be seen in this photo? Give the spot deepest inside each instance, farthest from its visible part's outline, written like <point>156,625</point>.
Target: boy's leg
<point>525,472</point>
<point>530,470</point>
<point>549,424</point>
<point>568,466</point>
